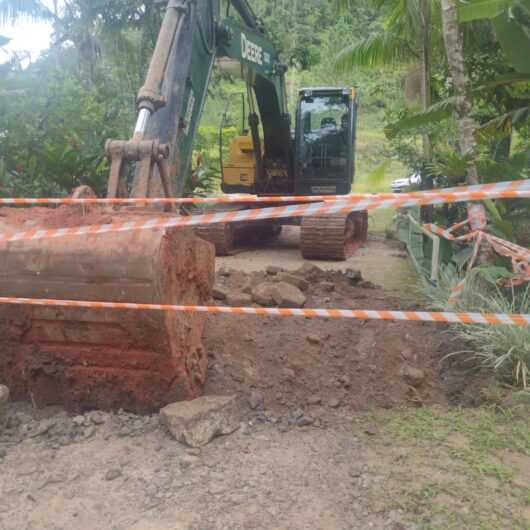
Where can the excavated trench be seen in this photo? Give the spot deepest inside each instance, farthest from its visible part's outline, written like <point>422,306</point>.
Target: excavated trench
<point>139,361</point>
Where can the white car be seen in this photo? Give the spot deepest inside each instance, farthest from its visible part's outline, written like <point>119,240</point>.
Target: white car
<point>400,185</point>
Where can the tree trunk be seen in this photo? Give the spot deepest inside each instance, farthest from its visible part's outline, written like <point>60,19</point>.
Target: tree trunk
<point>454,47</point>
<point>427,212</point>
<point>426,92</point>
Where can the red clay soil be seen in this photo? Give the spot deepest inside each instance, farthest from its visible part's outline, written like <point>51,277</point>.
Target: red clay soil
<point>103,359</point>
<point>140,361</point>
<point>292,362</point>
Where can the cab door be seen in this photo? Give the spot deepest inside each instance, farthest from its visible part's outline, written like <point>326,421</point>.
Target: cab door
<point>325,142</point>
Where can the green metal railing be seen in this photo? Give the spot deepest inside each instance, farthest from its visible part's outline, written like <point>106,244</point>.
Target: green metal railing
<point>427,250</point>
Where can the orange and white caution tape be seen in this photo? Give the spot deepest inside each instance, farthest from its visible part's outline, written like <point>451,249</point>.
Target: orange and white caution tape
<point>515,185</point>
<point>519,256</point>
<point>278,212</point>
<point>457,291</point>
<point>416,316</point>
<point>510,249</point>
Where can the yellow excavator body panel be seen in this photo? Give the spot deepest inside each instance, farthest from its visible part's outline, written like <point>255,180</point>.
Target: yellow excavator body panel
<point>240,169</point>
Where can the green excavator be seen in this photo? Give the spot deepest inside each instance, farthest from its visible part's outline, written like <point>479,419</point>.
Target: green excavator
<point>267,157</point>
<point>142,360</point>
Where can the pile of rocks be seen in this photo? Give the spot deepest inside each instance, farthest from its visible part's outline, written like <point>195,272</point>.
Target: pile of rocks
<point>61,429</point>
<point>277,288</point>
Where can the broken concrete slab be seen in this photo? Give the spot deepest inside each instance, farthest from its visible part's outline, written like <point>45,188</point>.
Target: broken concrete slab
<point>198,422</point>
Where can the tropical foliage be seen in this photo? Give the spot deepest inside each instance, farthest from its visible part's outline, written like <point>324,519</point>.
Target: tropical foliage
<point>57,112</point>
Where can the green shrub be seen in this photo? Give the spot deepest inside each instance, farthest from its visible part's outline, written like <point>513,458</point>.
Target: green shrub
<point>506,349</point>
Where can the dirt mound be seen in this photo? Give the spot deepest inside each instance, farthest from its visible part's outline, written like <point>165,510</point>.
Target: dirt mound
<point>310,364</point>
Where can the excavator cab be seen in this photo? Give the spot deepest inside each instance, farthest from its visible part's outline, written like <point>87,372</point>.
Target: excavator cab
<point>323,147</point>
<point>325,141</point>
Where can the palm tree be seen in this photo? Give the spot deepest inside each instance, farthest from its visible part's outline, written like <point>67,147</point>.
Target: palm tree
<point>12,11</point>
<point>77,24</point>
<point>411,31</point>
<point>454,46</point>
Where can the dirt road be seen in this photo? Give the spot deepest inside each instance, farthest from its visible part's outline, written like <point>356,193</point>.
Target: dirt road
<point>296,462</point>
<point>338,430</point>
<point>380,261</point>
<point>259,478</point>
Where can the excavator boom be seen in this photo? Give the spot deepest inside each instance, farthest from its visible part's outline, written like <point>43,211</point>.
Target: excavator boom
<point>193,35</point>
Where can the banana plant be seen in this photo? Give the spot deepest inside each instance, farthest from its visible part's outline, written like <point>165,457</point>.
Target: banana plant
<point>411,36</point>
<point>444,109</point>
<point>510,22</point>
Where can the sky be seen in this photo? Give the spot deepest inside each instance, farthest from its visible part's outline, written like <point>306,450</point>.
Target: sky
<point>27,36</point>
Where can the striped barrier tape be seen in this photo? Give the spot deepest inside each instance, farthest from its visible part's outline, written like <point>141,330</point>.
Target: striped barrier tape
<point>519,256</point>
<point>511,248</point>
<point>457,291</point>
<point>515,185</point>
<point>519,251</point>
<point>278,212</point>
<point>416,316</point>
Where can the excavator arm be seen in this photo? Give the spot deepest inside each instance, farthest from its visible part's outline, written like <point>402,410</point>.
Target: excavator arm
<point>195,33</point>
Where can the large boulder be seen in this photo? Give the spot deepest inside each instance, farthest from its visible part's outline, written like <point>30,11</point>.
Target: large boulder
<point>197,422</point>
<point>298,282</point>
<point>279,294</point>
<point>239,300</point>
<point>263,294</point>
<point>287,295</point>
<point>4,398</point>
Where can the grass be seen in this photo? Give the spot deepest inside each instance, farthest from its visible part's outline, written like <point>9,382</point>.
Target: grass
<point>453,469</point>
<point>506,349</point>
<point>371,153</point>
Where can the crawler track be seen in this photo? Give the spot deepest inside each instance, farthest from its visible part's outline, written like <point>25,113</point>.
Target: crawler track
<point>333,237</point>
<point>221,235</point>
